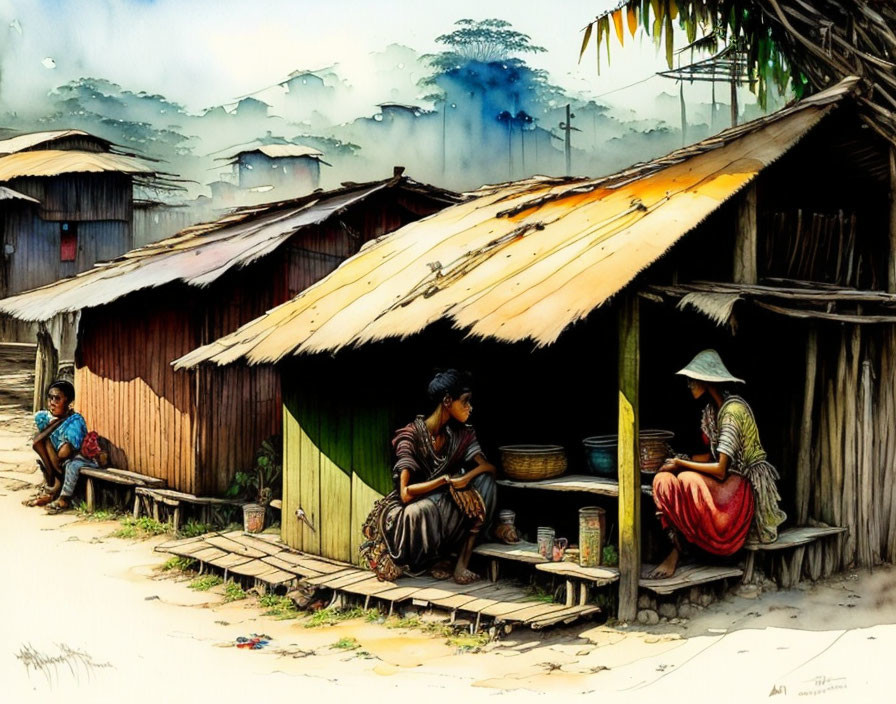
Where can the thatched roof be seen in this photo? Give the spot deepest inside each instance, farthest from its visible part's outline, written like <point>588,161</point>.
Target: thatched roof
<point>55,162</point>
<point>521,261</point>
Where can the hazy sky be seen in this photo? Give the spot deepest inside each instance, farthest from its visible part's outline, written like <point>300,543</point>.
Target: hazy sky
<point>205,52</point>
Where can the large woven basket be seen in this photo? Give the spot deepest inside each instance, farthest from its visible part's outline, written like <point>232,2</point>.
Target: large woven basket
<point>654,446</point>
<point>529,463</point>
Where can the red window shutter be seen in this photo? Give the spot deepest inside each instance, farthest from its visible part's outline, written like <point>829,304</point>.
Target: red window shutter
<point>68,246</point>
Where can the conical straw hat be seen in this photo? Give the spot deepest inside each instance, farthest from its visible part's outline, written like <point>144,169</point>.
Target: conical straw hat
<point>708,366</point>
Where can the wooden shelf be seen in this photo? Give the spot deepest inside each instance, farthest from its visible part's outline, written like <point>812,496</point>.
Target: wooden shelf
<point>575,482</point>
<point>520,552</point>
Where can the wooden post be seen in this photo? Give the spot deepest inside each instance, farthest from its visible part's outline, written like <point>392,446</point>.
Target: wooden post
<point>46,363</point>
<point>891,262</point>
<point>90,492</point>
<point>629,466</point>
<point>804,460</point>
<point>746,239</point>
<point>867,538</point>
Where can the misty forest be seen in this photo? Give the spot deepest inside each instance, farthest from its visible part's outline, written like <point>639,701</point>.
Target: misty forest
<point>479,111</point>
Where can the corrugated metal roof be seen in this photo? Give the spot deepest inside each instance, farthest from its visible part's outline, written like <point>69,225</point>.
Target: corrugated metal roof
<point>523,260</point>
<point>200,254</point>
<point>33,139</point>
<point>54,162</point>
<point>9,194</point>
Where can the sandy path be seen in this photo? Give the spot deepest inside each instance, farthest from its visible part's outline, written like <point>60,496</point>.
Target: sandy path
<point>109,629</point>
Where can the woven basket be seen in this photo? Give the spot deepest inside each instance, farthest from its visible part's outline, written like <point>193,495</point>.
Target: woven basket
<point>529,463</point>
<point>654,445</point>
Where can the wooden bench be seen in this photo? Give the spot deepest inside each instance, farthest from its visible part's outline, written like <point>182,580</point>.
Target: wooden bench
<point>112,475</point>
<point>152,498</point>
<point>686,576</point>
<point>795,539</point>
<point>577,577</point>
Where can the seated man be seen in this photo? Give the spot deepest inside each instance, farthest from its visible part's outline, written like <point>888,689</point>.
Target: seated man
<point>60,435</point>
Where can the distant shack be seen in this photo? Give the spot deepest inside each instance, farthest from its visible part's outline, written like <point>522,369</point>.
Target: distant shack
<point>289,170</point>
<point>67,204</point>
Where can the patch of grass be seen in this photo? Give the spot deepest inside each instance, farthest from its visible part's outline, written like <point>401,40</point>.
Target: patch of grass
<point>233,591</point>
<point>407,622</point>
<point>192,529</point>
<point>98,515</point>
<point>280,607</point>
<point>205,582</point>
<point>346,644</point>
<point>332,616</point>
<point>467,643</point>
<point>461,640</point>
<point>140,528</point>
<point>181,564</point>
<point>536,593</point>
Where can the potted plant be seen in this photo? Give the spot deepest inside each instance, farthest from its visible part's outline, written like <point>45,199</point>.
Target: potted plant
<point>258,485</point>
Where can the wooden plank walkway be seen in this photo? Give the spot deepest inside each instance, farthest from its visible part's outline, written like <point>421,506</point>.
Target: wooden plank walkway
<point>268,560</point>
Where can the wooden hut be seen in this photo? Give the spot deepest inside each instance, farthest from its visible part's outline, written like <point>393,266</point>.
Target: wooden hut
<point>76,209</point>
<point>574,301</point>
<point>143,310</point>
<point>287,169</point>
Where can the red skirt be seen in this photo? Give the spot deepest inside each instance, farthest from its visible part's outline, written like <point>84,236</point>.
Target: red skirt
<point>715,516</point>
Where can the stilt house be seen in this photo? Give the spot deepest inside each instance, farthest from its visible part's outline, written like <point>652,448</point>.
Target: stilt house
<point>145,309</point>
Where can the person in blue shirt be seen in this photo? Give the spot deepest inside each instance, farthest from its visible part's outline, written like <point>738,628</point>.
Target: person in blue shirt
<point>60,433</point>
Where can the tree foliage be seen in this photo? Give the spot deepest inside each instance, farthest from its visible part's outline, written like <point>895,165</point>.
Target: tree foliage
<point>742,24</point>
<point>484,41</point>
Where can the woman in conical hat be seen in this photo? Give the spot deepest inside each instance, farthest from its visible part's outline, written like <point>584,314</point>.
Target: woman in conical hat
<point>718,499</point>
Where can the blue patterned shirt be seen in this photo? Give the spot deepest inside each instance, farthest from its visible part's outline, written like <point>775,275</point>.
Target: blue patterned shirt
<point>72,430</point>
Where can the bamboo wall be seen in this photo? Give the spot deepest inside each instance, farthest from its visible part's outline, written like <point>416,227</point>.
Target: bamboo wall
<point>854,445</point>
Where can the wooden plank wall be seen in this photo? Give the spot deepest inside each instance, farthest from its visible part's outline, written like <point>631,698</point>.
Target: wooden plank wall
<point>35,261</point>
<point>80,197</point>
<point>336,446</point>
<point>128,392</point>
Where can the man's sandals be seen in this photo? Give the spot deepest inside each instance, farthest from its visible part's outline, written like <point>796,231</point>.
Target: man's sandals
<point>57,507</point>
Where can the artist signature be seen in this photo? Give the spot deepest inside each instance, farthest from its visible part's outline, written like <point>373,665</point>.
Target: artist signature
<point>67,658</point>
<point>813,687</point>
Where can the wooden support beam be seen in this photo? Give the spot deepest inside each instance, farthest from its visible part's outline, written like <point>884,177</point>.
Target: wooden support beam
<point>746,238</point>
<point>90,491</point>
<point>804,460</point>
<point>891,262</point>
<point>629,466</point>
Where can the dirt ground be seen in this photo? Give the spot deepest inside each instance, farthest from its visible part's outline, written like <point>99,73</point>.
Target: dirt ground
<point>88,617</point>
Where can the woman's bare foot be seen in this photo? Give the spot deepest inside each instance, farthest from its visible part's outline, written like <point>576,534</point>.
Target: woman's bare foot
<point>465,576</point>
<point>441,570</point>
<point>667,567</point>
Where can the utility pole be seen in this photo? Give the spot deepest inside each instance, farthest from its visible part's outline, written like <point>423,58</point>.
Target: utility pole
<point>568,130</point>
<point>734,110</point>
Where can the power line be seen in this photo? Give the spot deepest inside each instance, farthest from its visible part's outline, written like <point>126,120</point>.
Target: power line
<point>630,85</point>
